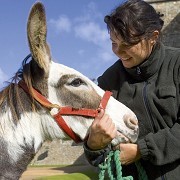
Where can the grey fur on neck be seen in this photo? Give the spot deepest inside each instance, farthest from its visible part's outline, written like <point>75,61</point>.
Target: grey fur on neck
<point>10,170</point>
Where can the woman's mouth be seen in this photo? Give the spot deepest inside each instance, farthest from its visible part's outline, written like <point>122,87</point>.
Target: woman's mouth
<point>125,59</point>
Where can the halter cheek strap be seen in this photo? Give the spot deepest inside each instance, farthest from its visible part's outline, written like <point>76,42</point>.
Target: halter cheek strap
<point>80,112</point>
<point>66,110</point>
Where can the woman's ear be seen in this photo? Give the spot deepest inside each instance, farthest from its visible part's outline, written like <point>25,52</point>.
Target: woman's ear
<point>154,37</point>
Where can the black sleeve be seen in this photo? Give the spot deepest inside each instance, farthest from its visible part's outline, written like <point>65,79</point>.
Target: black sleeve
<point>96,157</point>
<point>163,147</point>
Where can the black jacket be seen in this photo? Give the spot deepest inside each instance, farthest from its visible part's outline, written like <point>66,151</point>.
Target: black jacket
<point>152,91</point>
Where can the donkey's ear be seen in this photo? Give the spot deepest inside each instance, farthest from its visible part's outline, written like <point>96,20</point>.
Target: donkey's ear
<point>36,32</point>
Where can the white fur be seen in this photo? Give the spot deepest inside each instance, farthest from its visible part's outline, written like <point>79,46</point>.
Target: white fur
<point>31,127</point>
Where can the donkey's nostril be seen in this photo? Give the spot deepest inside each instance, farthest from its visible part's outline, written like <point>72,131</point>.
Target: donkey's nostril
<point>133,121</point>
<point>130,122</point>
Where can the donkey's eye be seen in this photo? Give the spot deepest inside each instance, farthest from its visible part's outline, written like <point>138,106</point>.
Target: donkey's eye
<point>77,82</point>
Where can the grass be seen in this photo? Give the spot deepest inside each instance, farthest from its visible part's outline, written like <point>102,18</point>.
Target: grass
<point>87,175</point>
<point>41,166</point>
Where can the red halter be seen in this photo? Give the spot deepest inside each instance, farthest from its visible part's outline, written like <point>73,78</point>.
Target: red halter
<point>66,110</point>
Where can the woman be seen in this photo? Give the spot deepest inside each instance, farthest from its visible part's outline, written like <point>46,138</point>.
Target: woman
<point>146,79</point>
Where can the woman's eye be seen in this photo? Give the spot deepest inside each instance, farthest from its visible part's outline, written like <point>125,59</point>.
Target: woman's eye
<point>114,44</point>
<point>76,82</point>
<point>126,45</point>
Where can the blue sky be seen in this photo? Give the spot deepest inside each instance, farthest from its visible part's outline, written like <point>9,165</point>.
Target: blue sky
<point>77,34</point>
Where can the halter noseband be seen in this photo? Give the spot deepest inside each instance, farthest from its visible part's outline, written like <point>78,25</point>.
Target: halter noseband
<point>66,110</point>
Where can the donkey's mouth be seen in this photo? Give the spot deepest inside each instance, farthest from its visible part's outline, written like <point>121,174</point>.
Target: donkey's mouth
<point>125,138</point>
<point>120,138</point>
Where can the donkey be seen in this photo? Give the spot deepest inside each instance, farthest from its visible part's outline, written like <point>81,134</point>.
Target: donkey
<point>47,100</point>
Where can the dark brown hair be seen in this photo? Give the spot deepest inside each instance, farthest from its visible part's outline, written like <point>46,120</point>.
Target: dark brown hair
<point>134,20</point>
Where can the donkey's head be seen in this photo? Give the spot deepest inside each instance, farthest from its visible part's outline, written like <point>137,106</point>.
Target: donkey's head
<point>65,86</point>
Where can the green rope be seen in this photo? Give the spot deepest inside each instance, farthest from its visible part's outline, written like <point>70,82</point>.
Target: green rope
<point>112,161</point>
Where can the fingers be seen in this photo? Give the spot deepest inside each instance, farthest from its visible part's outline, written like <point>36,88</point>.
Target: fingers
<point>122,155</point>
<point>102,131</point>
<point>100,114</point>
<point>117,147</point>
<point>100,119</point>
<point>129,153</point>
<point>112,130</point>
<point>104,123</point>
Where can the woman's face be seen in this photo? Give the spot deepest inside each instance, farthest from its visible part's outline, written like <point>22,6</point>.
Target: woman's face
<point>131,55</point>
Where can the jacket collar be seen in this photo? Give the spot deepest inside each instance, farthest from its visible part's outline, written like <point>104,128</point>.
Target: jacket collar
<point>150,66</point>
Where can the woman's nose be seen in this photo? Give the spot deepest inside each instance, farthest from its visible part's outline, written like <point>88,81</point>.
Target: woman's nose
<point>119,52</point>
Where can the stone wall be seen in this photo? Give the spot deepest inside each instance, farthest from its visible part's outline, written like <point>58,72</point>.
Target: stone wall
<point>59,152</point>
<point>171,11</point>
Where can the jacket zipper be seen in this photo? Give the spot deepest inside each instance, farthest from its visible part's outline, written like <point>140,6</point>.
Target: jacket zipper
<point>138,70</point>
<point>145,99</point>
<point>146,103</point>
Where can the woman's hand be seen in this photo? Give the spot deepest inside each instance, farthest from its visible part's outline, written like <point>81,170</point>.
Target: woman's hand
<point>129,153</point>
<point>102,131</point>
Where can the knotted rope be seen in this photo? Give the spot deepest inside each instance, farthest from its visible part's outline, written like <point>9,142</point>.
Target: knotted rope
<point>112,165</point>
